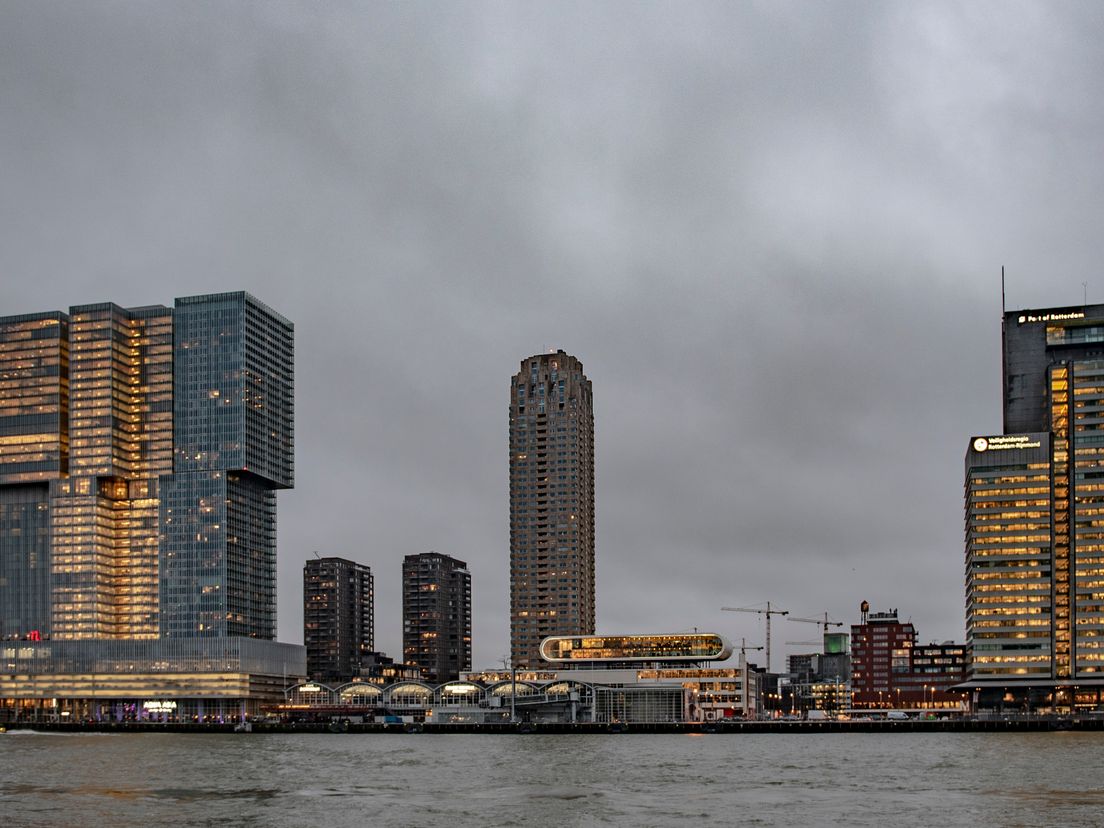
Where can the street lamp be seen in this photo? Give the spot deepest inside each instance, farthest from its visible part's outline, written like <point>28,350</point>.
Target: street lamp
<point>513,692</point>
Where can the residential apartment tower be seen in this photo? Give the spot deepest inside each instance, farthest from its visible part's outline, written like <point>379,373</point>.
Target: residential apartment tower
<point>437,620</point>
<point>338,618</point>
<point>551,424</point>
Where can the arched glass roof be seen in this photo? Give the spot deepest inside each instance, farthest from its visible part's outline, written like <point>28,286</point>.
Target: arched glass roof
<point>359,693</point>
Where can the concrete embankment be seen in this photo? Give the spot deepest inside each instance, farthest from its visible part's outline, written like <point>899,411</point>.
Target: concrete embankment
<point>1011,725</point>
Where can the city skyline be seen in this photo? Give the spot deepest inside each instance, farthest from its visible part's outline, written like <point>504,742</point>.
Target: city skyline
<point>774,235</point>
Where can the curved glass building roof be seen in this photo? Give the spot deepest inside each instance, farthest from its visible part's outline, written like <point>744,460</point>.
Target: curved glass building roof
<point>672,647</point>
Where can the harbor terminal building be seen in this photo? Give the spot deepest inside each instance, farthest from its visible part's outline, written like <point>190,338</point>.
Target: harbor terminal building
<point>605,679</point>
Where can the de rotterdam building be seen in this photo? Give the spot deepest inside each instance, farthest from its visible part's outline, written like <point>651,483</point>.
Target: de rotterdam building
<point>1035,520</point>
<point>551,428</point>
<point>141,450</point>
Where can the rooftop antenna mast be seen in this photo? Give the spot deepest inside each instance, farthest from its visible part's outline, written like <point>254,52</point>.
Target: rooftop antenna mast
<point>1085,287</point>
<point>1004,358</point>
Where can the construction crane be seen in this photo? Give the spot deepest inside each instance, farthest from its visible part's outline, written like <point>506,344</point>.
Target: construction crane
<point>825,622</point>
<point>768,612</point>
<point>744,648</point>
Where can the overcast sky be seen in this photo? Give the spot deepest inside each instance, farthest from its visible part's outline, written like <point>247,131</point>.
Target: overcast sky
<point>772,232</point>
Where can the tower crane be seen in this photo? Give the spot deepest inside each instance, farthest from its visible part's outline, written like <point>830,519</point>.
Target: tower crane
<point>825,622</point>
<point>744,648</point>
<point>768,612</point>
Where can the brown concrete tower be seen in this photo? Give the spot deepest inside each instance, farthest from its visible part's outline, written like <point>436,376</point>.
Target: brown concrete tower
<point>551,504</point>
<point>437,620</point>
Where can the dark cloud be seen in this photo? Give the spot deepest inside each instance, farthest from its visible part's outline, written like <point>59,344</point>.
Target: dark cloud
<point>772,232</point>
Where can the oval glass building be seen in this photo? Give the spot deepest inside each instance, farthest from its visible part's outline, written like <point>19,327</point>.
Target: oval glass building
<point>666,647</point>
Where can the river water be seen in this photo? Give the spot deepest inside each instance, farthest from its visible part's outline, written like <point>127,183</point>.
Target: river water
<point>915,779</point>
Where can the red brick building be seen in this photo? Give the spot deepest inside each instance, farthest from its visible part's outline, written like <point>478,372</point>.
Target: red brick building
<point>889,670</point>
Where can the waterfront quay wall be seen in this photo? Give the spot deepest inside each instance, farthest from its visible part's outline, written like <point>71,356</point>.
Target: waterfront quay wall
<point>962,725</point>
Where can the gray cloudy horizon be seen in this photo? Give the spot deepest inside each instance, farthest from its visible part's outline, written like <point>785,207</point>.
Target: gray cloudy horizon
<point>772,232</point>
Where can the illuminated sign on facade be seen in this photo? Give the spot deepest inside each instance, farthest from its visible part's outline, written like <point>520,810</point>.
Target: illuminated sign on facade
<point>159,706</point>
<point>1007,442</point>
<point>1025,318</point>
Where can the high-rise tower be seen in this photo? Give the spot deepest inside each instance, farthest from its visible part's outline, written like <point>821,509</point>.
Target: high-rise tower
<point>551,504</point>
<point>232,449</point>
<point>338,618</point>
<point>437,619</point>
<point>139,453</point>
<point>1035,518</point>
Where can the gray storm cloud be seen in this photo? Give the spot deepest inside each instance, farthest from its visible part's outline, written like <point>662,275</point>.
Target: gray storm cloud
<point>772,232</point>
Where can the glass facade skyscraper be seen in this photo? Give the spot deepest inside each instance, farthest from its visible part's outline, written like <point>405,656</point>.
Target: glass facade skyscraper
<point>232,448</point>
<point>34,450</point>
<point>140,450</point>
<point>1035,518</point>
<point>551,420</point>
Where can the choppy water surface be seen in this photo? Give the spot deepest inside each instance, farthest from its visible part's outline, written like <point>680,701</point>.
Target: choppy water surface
<point>946,779</point>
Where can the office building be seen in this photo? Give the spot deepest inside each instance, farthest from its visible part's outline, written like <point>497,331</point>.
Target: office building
<point>1035,520</point>
<point>437,618</point>
<point>140,453</point>
<point>551,504</point>
<point>889,670</point>
<point>881,649</point>
<point>338,618</point>
<point>934,670</point>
